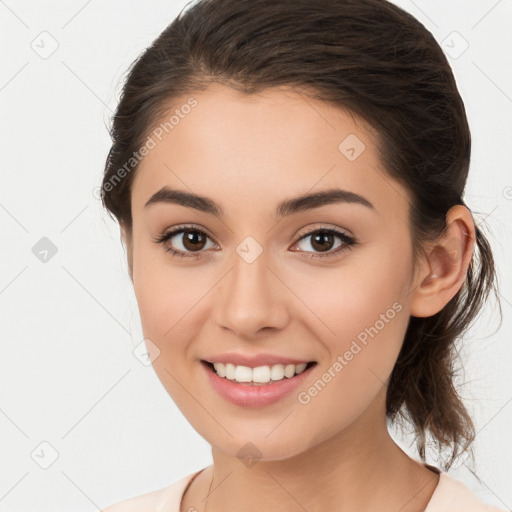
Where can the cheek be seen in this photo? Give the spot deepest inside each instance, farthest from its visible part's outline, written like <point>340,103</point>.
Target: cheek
<point>169,297</point>
<point>365,297</point>
<point>158,287</point>
<point>360,315</point>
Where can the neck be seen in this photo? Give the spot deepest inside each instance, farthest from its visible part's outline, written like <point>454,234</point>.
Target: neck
<point>360,468</point>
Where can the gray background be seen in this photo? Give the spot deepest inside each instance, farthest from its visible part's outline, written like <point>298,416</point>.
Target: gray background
<point>74,398</point>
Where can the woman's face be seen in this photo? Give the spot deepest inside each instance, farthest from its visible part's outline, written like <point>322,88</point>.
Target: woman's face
<point>257,279</point>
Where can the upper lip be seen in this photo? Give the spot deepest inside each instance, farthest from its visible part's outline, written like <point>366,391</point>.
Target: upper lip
<point>254,360</point>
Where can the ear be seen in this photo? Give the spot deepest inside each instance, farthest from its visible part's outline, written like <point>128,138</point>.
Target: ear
<point>126,238</point>
<point>446,266</point>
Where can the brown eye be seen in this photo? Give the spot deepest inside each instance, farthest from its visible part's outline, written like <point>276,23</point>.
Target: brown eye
<point>323,242</point>
<point>193,240</point>
<point>185,241</point>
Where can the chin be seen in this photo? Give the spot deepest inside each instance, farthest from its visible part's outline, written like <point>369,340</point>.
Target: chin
<point>257,448</point>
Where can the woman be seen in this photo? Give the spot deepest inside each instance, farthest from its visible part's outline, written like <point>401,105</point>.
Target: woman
<point>288,177</point>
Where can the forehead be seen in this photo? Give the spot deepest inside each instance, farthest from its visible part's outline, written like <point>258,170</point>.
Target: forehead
<point>255,150</point>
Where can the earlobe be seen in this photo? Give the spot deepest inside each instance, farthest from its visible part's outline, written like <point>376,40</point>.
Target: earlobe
<point>445,269</point>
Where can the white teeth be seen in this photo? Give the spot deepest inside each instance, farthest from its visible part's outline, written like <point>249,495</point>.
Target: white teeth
<point>220,369</point>
<point>277,372</point>
<point>243,374</point>
<point>230,371</point>
<point>289,370</point>
<point>260,374</point>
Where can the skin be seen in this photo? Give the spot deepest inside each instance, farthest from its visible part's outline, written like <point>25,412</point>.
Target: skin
<point>248,153</point>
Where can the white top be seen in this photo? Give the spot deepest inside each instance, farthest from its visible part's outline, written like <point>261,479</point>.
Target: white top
<point>450,495</point>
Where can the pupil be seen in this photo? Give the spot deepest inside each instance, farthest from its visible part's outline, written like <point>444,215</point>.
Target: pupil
<point>322,236</point>
<point>192,237</point>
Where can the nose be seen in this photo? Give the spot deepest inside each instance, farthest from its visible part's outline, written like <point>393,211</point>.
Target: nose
<point>251,298</point>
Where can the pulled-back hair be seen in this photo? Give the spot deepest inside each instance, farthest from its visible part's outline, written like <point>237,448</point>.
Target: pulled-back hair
<point>376,61</point>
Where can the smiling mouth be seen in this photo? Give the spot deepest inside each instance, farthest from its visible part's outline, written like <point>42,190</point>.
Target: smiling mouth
<point>270,382</point>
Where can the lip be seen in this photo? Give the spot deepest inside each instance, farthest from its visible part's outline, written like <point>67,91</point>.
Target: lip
<point>255,360</point>
<point>247,395</point>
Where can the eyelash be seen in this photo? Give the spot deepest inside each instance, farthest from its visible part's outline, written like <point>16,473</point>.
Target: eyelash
<point>348,242</point>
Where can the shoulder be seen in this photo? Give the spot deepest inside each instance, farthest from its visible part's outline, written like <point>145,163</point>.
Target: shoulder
<point>147,502</point>
<point>168,497</point>
<point>452,495</point>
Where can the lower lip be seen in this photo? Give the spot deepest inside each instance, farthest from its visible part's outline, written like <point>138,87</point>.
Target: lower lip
<point>247,395</point>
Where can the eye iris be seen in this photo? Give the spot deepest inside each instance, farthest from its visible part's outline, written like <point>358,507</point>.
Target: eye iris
<point>192,237</point>
<point>323,236</point>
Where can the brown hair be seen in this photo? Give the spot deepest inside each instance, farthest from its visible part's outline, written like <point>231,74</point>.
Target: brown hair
<point>381,64</point>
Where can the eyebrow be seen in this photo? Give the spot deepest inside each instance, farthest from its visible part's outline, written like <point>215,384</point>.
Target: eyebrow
<point>285,208</point>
